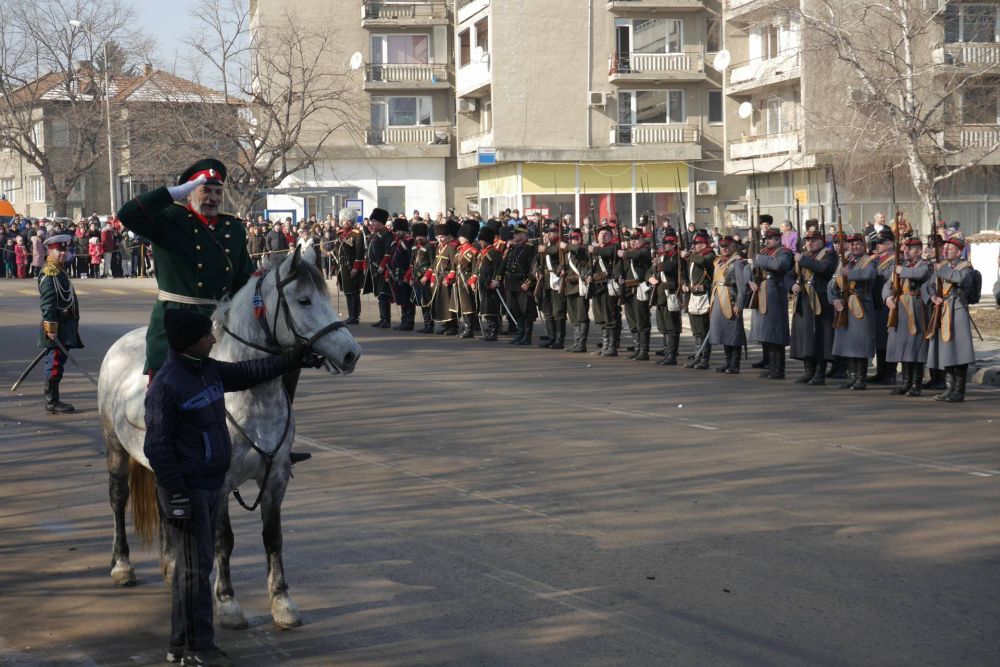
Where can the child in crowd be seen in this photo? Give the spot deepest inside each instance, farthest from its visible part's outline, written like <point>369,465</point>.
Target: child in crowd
<point>21,256</point>
<point>9,259</point>
<point>96,252</point>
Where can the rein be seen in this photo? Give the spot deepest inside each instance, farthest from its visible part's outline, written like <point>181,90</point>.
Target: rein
<point>274,348</point>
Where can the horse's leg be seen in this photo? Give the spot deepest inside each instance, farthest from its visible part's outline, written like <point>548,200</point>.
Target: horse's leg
<point>122,572</point>
<point>230,613</point>
<point>284,611</point>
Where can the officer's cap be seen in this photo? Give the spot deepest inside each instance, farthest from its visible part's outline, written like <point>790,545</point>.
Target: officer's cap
<point>213,171</point>
<point>58,240</point>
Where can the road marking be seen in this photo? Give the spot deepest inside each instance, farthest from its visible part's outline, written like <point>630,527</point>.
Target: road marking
<point>28,292</point>
<point>114,291</point>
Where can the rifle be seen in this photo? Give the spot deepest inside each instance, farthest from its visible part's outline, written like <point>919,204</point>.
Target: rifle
<point>681,277</point>
<point>799,246</point>
<point>897,280</point>
<point>562,252</point>
<point>934,321</point>
<point>753,300</point>
<point>840,318</point>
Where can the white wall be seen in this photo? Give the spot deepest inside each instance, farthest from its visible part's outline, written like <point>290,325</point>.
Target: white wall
<point>424,179</point>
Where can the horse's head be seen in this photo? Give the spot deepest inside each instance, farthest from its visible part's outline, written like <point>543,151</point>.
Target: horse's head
<point>299,309</point>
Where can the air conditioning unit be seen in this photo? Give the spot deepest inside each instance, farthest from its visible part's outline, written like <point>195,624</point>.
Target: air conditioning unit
<point>597,98</point>
<point>706,188</point>
<point>467,105</point>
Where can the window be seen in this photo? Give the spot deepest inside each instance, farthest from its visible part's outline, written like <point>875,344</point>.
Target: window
<point>36,188</point>
<point>714,107</point>
<point>655,35</point>
<point>770,42</point>
<point>401,111</point>
<point>464,48</point>
<point>401,49</point>
<point>651,107</point>
<point>980,105</point>
<point>483,34</point>
<point>972,23</point>
<point>60,133</point>
<point>713,36</point>
<point>486,116</point>
<point>38,134</point>
<point>675,106</point>
<point>773,119</point>
<point>7,189</point>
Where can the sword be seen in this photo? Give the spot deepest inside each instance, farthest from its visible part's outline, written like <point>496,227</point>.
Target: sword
<point>30,368</point>
<point>504,304</point>
<point>79,367</point>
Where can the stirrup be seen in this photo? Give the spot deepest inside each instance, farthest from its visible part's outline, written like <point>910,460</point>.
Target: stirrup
<point>299,457</point>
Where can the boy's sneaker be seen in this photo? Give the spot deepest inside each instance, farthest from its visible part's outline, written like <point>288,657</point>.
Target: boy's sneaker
<point>211,658</point>
<point>175,654</point>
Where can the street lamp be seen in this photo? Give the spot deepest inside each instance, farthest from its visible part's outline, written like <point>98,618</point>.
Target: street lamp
<point>107,108</point>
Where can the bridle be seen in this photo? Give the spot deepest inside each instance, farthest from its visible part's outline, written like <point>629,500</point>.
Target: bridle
<point>272,347</point>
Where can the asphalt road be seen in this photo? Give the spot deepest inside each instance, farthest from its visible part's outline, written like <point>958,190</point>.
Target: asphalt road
<point>483,504</point>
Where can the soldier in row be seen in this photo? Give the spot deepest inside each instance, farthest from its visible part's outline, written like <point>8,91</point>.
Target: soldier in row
<point>517,275</point>
<point>667,274</point>
<point>349,259</point>
<point>812,314</point>
<point>701,269</point>
<point>551,286</point>
<point>769,320</point>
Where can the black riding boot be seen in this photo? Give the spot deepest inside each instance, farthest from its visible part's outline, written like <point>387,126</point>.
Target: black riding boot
<point>949,383</point>
<point>768,357</point>
<point>727,350</point>
<point>820,375</point>
<point>604,344</point>
<point>428,321</point>
<point>642,354</point>
<point>406,317</point>
<point>694,357</point>
<point>916,378</point>
<point>662,352</point>
<point>614,339</point>
<point>584,335</point>
<point>353,308</point>
<point>490,326</point>
<point>518,335</point>
<point>53,405</point>
<point>634,347</point>
<point>466,327</point>
<point>808,370</point>
<point>937,380</point>
<point>879,376</point>
<point>861,373</point>
<point>838,369</point>
<point>734,361</point>
<point>907,382</point>
<point>560,331</point>
<point>670,343</point>
<point>958,377</point>
<point>777,355</point>
<point>706,356</point>
<point>529,326</point>
<point>765,361</point>
<point>290,381</point>
<point>550,333</point>
<point>849,369</point>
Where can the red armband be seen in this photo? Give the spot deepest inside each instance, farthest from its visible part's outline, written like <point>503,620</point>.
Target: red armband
<point>408,276</point>
<point>471,282</point>
<point>383,262</point>
<point>450,278</point>
<point>429,276</point>
<point>359,265</point>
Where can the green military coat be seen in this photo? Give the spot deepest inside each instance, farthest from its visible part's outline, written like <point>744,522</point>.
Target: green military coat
<point>196,266</point>
<point>60,308</point>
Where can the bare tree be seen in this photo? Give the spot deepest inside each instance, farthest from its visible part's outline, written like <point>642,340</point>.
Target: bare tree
<point>284,101</point>
<point>47,81</point>
<point>902,88</point>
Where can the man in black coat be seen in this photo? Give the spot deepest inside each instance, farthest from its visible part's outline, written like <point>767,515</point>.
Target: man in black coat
<point>277,242</point>
<point>189,449</point>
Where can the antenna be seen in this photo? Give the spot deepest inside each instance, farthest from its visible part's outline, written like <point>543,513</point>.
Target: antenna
<point>357,60</point>
<point>478,54</point>
<point>745,110</point>
<point>722,60</point>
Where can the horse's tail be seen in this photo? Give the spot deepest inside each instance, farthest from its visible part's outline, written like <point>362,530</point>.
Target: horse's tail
<point>142,500</point>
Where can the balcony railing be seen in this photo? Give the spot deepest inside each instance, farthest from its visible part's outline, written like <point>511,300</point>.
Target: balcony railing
<point>473,142</point>
<point>376,11</point>
<point>762,145</point>
<point>408,136</point>
<point>979,54</point>
<point>986,136</point>
<point>761,72</point>
<point>649,133</point>
<point>655,63</point>
<point>652,5</point>
<point>406,73</point>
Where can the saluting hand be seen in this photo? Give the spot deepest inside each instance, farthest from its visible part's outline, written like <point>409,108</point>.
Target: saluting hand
<point>179,192</point>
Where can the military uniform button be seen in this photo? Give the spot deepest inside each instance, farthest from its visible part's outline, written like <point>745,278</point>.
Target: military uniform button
<point>227,251</point>
<point>196,231</point>
<point>199,284</point>
<point>199,265</point>
<point>197,247</point>
<point>227,269</point>
<point>227,236</point>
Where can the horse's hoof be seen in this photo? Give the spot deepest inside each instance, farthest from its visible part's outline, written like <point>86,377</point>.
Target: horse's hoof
<point>231,615</point>
<point>123,573</point>
<point>285,613</point>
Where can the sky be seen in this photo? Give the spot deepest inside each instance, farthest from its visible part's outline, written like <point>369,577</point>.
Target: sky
<point>167,22</point>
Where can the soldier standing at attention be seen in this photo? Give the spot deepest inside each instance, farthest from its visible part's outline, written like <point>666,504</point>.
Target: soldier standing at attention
<point>701,266</point>
<point>376,258</point>
<point>637,260</point>
<point>812,316</point>
<point>951,345</point>
<point>730,275</point>
<point>519,282</point>
<point>396,270</point>
<point>769,322</point>
<point>667,297</point>
<point>60,319</point>
<point>421,272</point>
<point>443,278</point>
<point>906,342</point>
<point>606,290</point>
<point>852,291</point>
<point>551,275</point>
<point>464,278</point>
<point>885,264</point>
<point>349,254</point>
<point>578,289</point>
<point>485,271</point>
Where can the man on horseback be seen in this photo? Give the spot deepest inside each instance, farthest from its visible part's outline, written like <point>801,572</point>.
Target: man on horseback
<point>200,253</point>
<point>188,446</point>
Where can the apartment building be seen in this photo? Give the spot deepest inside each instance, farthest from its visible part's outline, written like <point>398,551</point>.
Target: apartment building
<point>399,152</point>
<point>772,83</point>
<point>593,107</point>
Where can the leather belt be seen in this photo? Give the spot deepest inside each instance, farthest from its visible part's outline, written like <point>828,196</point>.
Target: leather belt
<point>187,300</point>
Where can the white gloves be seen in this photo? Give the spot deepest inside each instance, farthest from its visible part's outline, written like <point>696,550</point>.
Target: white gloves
<point>180,192</point>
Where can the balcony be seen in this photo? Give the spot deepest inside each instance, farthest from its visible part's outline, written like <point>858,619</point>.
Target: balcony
<point>749,11</point>
<point>646,6</point>
<point>981,55</point>
<point>412,141</point>
<point>658,133</point>
<point>472,143</point>
<point>466,9</point>
<point>403,14</point>
<point>763,145</point>
<point>392,76</point>
<point>655,67</point>
<point>979,136</point>
<point>475,78</point>
<point>756,74</point>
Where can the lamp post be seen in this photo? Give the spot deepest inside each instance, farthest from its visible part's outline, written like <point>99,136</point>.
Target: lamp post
<point>107,109</point>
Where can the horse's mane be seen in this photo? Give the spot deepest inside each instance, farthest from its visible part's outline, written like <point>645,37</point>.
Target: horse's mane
<point>304,272</point>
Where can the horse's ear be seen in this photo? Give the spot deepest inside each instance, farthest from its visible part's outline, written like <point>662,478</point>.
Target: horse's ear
<point>296,258</point>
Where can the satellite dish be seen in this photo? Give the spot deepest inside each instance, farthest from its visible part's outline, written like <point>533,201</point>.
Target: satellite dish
<point>721,61</point>
<point>744,110</point>
<point>357,60</point>
<point>478,54</point>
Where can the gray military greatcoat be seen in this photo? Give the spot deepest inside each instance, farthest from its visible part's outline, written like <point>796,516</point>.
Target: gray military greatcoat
<point>812,316</point>
<point>906,342</point>
<point>857,339</point>
<point>769,322</point>
<point>952,346</point>
<point>729,284</point>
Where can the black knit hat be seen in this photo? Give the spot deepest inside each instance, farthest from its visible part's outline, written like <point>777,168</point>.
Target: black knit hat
<point>185,327</point>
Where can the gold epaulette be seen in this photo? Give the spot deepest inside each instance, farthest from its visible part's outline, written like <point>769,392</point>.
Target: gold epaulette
<point>50,269</point>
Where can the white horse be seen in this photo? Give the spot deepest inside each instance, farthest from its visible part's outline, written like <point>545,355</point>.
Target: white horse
<point>297,307</point>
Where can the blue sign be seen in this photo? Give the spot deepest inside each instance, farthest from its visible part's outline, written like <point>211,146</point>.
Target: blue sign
<point>487,156</point>
<point>359,206</point>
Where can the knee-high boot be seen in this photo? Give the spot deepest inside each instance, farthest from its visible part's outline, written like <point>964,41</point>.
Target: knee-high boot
<point>614,339</point>
<point>819,377</point>
<point>734,361</point>
<point>642,354</point>
<point>808,370</point>
<point>550,333</point>
<point>697,352</point>
<point>958,377</point>
<point>604,344</point>
<point>907,383</point>
<point>765,361</point>
<point>861,372</point>
<point>727,351</point>
<point>560,335</point>
<point>777,356</point>
<point>529,326</point>
<point>916,379</point>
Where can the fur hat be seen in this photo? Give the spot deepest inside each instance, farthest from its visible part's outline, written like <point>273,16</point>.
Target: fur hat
<point>185,327</point>
<point>418,229</point>
<point>487,235</point>
<point>442,229</point>
<point>400,225</point>
<point>379,215</point>
<point>454,226</point>
<point>468,230</point>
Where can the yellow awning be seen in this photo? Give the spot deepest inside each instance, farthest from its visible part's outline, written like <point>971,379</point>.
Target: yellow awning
<point>540,178</point>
